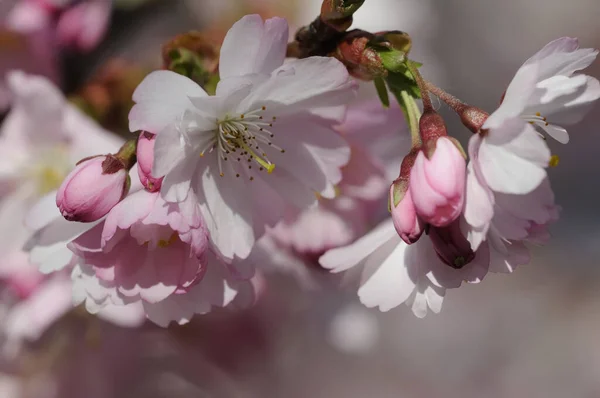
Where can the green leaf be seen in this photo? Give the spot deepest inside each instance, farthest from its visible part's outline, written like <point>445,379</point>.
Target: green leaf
<point>403,81</point>
<point>382,92</point>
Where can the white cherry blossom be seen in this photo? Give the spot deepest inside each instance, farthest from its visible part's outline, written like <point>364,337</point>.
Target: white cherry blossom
<point>255,146</point>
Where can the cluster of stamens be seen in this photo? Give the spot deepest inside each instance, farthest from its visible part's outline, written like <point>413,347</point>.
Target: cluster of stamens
<point>537,119</point>
<point>244,138</point>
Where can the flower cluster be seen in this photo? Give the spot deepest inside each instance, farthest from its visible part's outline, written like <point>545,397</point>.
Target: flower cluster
<point>478,217</point>
<point>276,168</point>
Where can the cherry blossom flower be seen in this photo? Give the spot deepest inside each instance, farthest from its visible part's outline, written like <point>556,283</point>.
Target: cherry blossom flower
<point>155,253</point>
<point>390,272</point>
<point>547,92</point>
<point>508,193</point>
<point>258,144</point>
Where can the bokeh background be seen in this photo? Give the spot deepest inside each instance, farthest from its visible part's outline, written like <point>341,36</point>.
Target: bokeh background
<point>534,333</point>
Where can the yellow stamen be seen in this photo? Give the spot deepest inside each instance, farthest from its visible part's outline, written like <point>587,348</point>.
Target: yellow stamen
<point>554,160</point>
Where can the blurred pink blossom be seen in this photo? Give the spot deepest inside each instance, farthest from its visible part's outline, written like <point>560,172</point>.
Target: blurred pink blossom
<point>71,24</point>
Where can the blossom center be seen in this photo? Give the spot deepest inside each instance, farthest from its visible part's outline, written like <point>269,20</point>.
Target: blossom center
<point>244,138</point>
<point>49,170</point>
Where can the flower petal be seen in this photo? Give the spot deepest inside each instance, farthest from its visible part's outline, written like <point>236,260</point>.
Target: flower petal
<point>516,98</point>
<point>160,99</point>
<point>344,258</point>
<point>252,46</point>
<point>517,166</point>
<point>304,83</point>
<point>386,282</point>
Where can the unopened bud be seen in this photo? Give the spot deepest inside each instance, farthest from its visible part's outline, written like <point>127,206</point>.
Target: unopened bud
<point>451,246</point>
<point>398,40</point>
<point>437,182</point>
<point>408,225</point>
<point>93,188</point>
<point>145,160</point>
<point>362,60</point>
<point>339,9</point>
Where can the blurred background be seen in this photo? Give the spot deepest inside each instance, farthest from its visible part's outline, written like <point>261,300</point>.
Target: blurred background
<point>533,333</point>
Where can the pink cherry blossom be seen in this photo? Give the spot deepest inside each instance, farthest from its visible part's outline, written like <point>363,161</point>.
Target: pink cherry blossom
<point>377,137</point>
<point>437,183</point>
<point>145,160</point>
<point>390,272</point>
<point>40,141</point>
<point>155,253</point>
<point>255,147</point>
<point>71,24</point>
<point>94,187</point>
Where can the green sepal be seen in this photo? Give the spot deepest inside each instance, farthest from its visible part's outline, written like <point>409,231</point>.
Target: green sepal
<point>382,91</point>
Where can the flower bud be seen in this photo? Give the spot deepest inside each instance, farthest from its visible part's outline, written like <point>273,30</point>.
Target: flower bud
<point>437,182</point>
<point>145,160</point>
<point>93,188</point>
<point>408,225</point>
<point>362,60</point>
<point>332,10</point>
<point>451,246</point>
<point>398,40</point>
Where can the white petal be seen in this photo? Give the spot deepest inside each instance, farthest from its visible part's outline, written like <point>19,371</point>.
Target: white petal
<point>304,83</point>
<point>160,98</point>
<point>253,47</point>
<point>479,200</point>
<point>516,98</point>
<point>316,155</point>
<point>386,282</point>
<point>516,166</point>
<point>169,151</point>
<point>343,258</point>
<point>227,211</point>
<point>562,57</point>
<point>176,185</point>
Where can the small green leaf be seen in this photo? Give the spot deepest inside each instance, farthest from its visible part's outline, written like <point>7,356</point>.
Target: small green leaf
<point>382,91</point>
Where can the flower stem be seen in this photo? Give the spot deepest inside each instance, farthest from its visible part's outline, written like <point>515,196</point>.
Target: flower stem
<point>472,117</point>
<point>413,115</point>
<point>412,67</point>
<point>127,153</point>
<point>457,105</point>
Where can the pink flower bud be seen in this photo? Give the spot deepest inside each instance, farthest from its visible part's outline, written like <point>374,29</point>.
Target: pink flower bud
<point>93,188</point>
<point>451,246</point>
<point>437,182</point>
<point>408,225</point>
<point>145,160</point>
